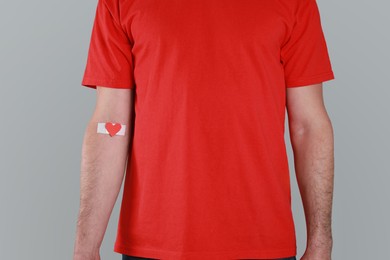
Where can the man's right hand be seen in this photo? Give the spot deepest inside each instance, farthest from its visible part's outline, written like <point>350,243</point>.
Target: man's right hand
<point>84,256</point>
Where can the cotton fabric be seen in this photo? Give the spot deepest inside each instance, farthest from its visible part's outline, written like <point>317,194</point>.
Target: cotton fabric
<point>207,176</point>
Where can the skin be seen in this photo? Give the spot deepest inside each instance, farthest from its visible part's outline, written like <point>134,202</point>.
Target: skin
<point>102,170</point>
<point>104,160</point>
<point>312,140</point>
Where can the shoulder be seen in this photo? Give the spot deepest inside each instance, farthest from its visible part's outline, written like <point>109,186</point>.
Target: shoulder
<point>118,8</point>
<point>111,5</point>
<point>295,6</point>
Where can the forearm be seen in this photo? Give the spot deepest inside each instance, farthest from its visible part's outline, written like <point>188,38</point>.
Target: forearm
<point>102,170</point>
<point>313,147</point>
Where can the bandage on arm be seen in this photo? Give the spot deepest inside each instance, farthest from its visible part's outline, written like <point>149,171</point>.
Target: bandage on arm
<point>112,129</point>
<point>102,166</point>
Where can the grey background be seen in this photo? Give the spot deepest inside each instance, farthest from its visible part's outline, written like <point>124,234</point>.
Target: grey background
<point>44,111</point>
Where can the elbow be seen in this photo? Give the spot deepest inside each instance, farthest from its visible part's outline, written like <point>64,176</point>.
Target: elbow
<point>320,127</point>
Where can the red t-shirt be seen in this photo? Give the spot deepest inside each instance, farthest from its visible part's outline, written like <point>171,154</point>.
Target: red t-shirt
<point>208,175</point>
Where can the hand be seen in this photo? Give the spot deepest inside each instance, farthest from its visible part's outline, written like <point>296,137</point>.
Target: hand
<point>318,249</point>
<point>316,256</point>
<point>86,256</point>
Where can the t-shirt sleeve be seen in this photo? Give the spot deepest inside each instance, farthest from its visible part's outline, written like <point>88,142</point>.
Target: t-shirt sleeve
<point>109,61</point>
<point>304,55</point>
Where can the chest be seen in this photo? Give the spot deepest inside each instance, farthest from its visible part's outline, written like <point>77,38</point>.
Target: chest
<point>207,24</point>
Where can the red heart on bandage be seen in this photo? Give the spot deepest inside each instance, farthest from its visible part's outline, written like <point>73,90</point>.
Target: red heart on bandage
<point>113,129</point>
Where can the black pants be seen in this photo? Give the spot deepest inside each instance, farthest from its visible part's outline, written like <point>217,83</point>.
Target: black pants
<point>128,257</point>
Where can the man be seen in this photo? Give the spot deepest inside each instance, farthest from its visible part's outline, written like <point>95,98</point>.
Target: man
<point>207,175</point>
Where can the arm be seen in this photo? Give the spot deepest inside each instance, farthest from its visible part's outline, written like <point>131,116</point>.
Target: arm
<point>311,134</point>
<point>102,170</point>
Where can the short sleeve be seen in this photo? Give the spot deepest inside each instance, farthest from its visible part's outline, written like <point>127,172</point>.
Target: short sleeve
<point>109,62</point>
<point>304,55</point>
